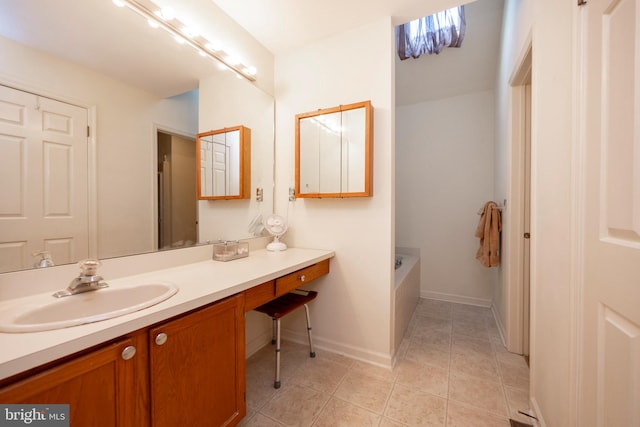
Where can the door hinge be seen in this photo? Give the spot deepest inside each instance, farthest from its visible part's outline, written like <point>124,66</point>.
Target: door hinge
<point>88,131</point>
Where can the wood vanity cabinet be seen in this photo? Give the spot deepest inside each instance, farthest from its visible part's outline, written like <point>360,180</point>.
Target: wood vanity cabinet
<point>261,294</point>
<point>103,387</point>
<point>197,367</point>
<point>187,371</point>
<point>301,277</point>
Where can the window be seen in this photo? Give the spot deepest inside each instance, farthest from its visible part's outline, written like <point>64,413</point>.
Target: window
<point>431,34</point>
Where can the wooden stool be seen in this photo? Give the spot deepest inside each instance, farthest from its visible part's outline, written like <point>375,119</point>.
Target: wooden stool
<point>279,308</point>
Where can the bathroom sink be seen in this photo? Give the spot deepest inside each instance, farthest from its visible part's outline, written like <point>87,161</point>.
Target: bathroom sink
<point>42,313</point>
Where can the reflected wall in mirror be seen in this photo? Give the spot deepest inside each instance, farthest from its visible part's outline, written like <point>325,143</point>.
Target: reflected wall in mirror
<point>231,99</point>
<point>334,152</point>
<point>223,162</point>
<point>125,112</point>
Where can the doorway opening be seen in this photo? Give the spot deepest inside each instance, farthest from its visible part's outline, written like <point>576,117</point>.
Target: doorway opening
<point>177,212</point>
<point>518,334</point>
<point>526,235</point>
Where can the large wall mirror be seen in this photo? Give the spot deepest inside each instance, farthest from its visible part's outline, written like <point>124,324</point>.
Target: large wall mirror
<point>132,84</point>
<point>334,152</point>
<point>223,163</point>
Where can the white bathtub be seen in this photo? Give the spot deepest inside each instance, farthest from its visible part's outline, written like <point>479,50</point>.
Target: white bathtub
<point>407,291</point>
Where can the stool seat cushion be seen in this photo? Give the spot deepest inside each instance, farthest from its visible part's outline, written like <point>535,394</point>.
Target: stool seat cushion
<point>285,304</point>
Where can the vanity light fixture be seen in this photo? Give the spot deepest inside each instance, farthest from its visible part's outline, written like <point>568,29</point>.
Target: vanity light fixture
<point>166,13</point>
<point>184,34</point>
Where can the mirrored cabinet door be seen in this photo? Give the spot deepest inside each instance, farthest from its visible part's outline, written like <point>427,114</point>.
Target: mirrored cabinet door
<point>334,152</point>
<point>224,163</point>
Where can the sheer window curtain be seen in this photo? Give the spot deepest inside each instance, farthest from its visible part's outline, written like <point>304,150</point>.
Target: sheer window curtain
<point>431,34</point>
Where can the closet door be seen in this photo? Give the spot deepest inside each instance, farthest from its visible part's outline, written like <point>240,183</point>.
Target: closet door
<point>43,179</point>
<point>610,368</point>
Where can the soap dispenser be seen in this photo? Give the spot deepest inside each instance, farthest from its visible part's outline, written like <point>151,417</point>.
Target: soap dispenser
<point>44,261</point>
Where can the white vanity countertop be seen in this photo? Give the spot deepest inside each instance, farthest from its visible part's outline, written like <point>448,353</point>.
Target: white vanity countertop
<point>199,284</point>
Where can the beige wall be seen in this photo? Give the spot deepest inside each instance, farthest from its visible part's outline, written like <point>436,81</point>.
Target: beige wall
<point>226,101</point>
<point>352,312</point>
<point>516,38</point>
<point>444,174</point>
<point>554,241</point>
<point>124,138</point>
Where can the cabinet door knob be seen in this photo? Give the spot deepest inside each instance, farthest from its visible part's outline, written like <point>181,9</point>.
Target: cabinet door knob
<point>303,278</point>
<point>128,352</point>
<point>161,338</point>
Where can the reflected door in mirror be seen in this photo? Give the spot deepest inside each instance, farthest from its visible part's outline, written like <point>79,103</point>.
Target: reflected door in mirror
<point>224,163</point>
<point>43,180</point>
<point>334,152</point>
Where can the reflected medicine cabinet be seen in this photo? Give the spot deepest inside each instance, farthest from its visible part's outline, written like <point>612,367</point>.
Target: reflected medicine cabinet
<point>223,163</point>
<point>334,152</point>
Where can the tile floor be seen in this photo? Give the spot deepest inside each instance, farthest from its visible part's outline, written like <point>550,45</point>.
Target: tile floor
<point>452,370</point>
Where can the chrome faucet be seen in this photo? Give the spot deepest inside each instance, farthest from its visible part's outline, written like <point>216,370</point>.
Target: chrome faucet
<point>88,280</point>
<point>44,261</point>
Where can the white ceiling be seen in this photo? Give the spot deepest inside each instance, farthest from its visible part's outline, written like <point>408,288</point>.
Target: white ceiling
<point>281,25</point>
<point>105,38</point>
<point>468,69</point>
<point>116,42</point>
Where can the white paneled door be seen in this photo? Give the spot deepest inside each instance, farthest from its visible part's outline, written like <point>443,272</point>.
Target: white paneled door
<point>43,179</point>
<point>220,166</point>
<point>610,344</point>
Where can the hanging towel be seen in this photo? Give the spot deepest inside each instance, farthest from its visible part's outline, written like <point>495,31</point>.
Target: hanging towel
<point>488,231</point>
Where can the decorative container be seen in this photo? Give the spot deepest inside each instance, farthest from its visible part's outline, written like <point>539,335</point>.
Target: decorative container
<point>230,250</point>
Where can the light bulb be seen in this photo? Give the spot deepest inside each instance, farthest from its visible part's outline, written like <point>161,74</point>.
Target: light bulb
<point>215,46</point>
<point>168,13</point>
<point>190,32</point>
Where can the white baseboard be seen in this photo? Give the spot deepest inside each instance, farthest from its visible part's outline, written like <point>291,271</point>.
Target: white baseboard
<point>358,353</point>
<point>499,325</point>
<point>539,421</point>
<point>256,343</point>
<point>363,355</point>
<point>441,296</point>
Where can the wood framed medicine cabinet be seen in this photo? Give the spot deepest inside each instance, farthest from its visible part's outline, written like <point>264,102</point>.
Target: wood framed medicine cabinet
<point>334,152</point>
<point>223,164</point>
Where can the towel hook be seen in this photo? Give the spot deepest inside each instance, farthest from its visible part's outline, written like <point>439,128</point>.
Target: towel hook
<point>497,206</point>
